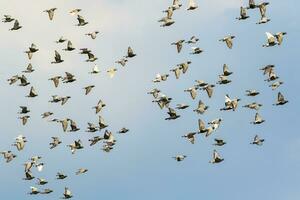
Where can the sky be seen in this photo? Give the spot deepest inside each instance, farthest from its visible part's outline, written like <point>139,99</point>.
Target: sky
<point>141,164</point>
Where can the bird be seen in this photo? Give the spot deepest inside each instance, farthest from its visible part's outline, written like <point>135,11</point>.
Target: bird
<point>101,123</point>
<point>254,106</point>
<point>28,165</point>
<point>179,45</point>
<point>91,128</point>
<point>176,71</point>
<point>179,158</point>
<point>70,46</point>
<point>91,57</point>
<point>23,80</point>
<point>57,58</point>
<point>29,69</point>
<point>55,80</point>
<point>7,18</point>
<point>123,130</point>
<point>24,119</point>
<point>226,71</point>
<point>160,77</point>
<point>39,166</point>
<point>230,104</point>
<point>192,91</point>
<point>55,142</point>
<point>258,119</point>
<point>81,21</point>
<point>223,80</point>
<point>215,123</point>
<point>155,92</point>
<point>20,142</point>
<point>28,176</point>
<point>252,93</point>
<point>219,142</point>
<point>67,193</point>
<point>196,50</point>
<point>42,181</point>
<point>76,145</point>
<point>75,11</point>
<point>190,136</point>
<point>29,54</point>
<point>95,70</point>
<point>167,20</point>
<point>46,114</point>
<point>192,5</point>
<point>272,76</point>
<point>61,40</point>
<point>122,62</point>
<point>32,92</point>
<point>60,176</point>
<point>34,191</point>
<point>73,126</point>
<point>257,141</point>
<point>200,83</point>
<point>202,129</point>
<point>88,89</point>
<point>130,53</point>
<point>95,140</point>
<point>51,13</point>
<point>228,40</point>
<point>192,40</point>
<point>99,106</point>
<point>243,14</point>
<point>24,110</point>
<point>201,108</point>
<point>252,5</point>
<point>111,72</point>
<point>276,84</point>
<point>69,78</point>
<point>263,9</point>
<point>33,48</point>
<point>16,26</point>
<point>172,114</point>
<point>280,100</point>
<point>93,34</point>
<point>8,156</point>
<point>64,123</point>
<point>216,158</point>
<point>81,171</point>
<point>176,5</point>
<point>46,191</point>
<point>181,106</point>
<point>267,69</point>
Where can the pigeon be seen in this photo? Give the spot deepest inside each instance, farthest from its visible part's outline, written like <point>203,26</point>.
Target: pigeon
<point>57,58</point>
<point>179,158</point>
<point>216,158</point>
<point>16,26</point>
<point>257,141</point>
<point>228,41</point>
<point>51,13</point>
<point>81,21</point>
<point>280,100</point>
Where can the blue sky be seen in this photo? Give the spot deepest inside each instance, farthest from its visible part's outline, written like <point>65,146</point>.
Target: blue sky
<point>140,166</point>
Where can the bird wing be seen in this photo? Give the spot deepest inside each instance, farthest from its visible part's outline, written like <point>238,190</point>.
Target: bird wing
<point>271,38</point>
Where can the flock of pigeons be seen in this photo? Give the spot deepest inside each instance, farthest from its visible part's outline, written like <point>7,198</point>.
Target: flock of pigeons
<point>67,124</point>
<point>108,139</point>
<point>231,104</point>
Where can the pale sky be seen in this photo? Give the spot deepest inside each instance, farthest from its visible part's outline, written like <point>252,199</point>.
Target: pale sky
<point>141,165</point>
